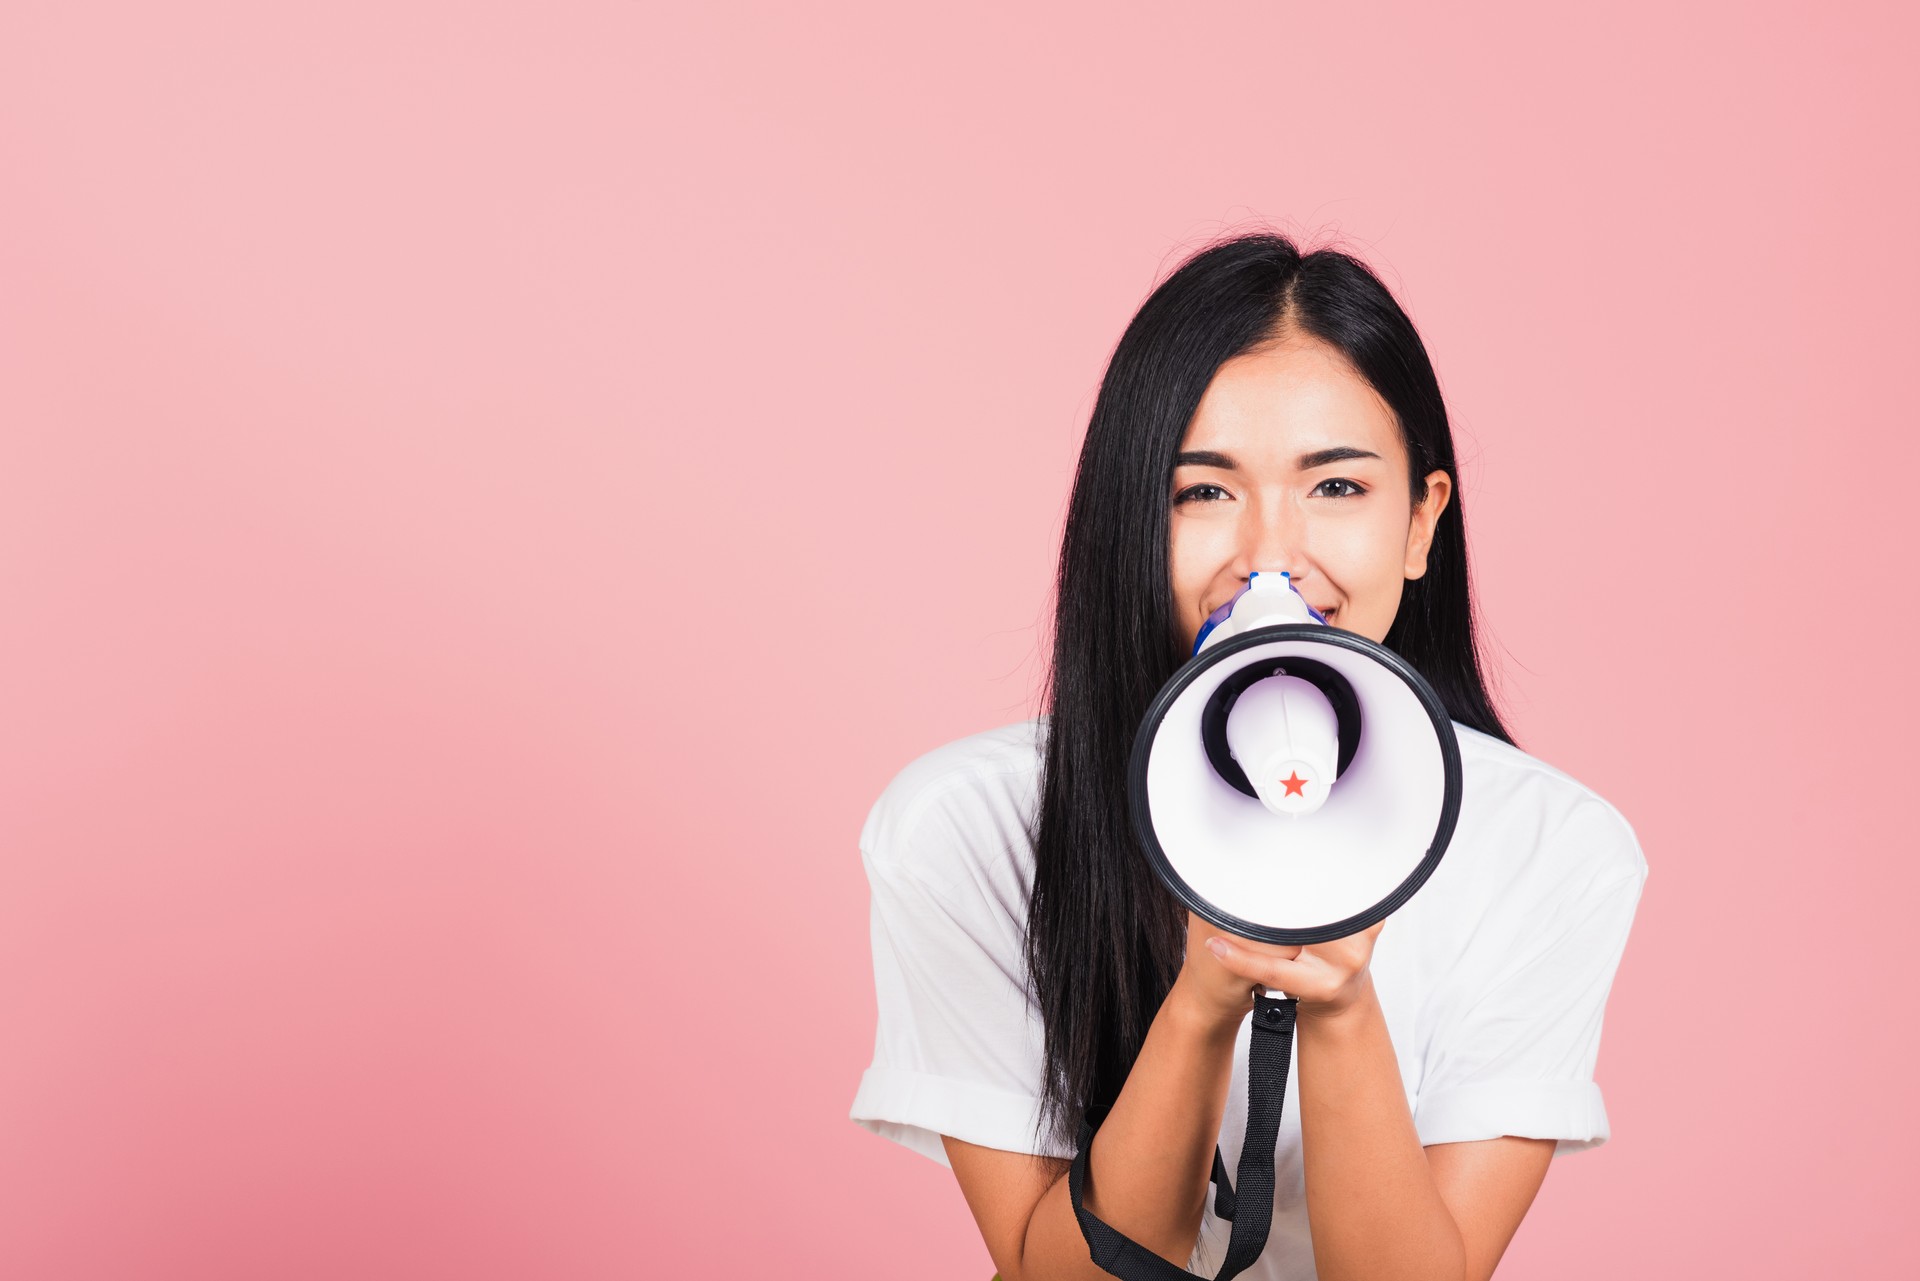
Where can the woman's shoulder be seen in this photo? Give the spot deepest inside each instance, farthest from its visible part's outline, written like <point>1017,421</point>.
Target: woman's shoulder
<point>1508,792</point>
<point>969,801</point>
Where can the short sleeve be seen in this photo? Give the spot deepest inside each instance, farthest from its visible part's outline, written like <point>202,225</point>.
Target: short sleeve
<point>957,1044</point>
<point>1518,1029</point>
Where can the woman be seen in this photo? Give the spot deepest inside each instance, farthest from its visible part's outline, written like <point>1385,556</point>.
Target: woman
<point>1264,411</point>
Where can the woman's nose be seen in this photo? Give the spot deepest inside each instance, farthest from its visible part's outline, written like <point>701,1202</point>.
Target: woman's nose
<point>1274,540</point>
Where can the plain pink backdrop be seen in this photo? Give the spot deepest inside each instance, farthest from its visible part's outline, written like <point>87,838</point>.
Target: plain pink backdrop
<point>489,494</point>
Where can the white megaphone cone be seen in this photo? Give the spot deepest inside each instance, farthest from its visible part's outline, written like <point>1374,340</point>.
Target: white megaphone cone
<point>1293,782</point>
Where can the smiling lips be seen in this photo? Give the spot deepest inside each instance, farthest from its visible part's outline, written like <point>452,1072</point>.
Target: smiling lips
<point>1324,613</point>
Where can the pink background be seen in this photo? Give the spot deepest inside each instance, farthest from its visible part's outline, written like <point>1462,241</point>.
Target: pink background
<point>490,493</point>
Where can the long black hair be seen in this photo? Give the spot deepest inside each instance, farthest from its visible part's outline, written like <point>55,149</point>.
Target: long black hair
<point>1105,939</point>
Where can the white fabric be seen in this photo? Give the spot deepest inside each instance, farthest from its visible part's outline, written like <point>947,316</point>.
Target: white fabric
<point>1493,978</point>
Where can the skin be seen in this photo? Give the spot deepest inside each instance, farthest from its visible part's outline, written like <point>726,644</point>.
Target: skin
<point>1350,532</point>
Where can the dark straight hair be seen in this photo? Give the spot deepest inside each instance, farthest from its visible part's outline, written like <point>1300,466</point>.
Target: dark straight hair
<point>1105,939</point>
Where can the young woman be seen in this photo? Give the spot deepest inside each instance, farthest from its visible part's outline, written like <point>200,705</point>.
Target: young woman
<point>1264,411</point>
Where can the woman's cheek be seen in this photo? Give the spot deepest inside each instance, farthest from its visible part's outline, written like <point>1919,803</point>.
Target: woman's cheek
<point>1361,564</point>
<point>1200,549</point>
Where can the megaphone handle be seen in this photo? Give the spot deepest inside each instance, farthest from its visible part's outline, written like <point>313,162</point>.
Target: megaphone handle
<point>1249,1204</point>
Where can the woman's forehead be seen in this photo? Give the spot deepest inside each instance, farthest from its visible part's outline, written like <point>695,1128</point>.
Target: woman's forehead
<point>1270,407</point>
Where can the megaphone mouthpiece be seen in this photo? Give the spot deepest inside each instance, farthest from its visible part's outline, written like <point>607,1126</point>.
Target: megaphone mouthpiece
<point>1268,600</point>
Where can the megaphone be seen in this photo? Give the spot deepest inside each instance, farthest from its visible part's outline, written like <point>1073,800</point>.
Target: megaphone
<point>1291,783</point>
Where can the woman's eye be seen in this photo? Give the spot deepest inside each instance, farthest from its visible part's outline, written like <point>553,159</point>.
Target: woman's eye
<point>1192,492</point>
<point>1352,490</point>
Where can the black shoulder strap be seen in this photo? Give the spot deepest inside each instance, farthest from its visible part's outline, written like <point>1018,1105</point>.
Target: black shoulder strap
<point>1250,1206</point>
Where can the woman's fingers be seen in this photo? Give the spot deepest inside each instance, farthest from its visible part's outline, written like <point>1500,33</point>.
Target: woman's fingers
<point>1320,974</point>
<point>1325,976</point>
<point>1268,968</point>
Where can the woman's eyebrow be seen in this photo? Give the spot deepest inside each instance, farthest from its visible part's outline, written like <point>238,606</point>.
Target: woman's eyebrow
<point>1306,462</point>
<point>1338,454</point>
<point>1205,458</point>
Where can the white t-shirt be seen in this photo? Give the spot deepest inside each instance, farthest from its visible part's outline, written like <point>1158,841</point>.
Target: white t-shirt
<point>1493,978</point>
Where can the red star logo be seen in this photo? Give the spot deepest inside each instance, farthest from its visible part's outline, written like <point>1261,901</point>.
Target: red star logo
<point>1295,785</point>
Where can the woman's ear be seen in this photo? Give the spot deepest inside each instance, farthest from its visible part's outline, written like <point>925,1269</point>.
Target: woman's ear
<point>1425,517</point>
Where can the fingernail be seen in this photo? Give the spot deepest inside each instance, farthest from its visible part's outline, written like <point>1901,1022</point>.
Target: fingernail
<point>1218,947</point>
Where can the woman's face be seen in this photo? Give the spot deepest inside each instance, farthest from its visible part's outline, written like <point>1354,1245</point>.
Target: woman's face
<point>1293,462</point>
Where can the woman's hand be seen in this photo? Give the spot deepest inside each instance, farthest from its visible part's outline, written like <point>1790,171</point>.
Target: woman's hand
<point>1221,969</point>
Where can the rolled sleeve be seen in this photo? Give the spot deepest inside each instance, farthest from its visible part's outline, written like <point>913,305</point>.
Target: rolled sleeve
<point>1520,1060</point>
<point>1569,1111</point>
<point>914,1110</point>
<point>957,1042</point>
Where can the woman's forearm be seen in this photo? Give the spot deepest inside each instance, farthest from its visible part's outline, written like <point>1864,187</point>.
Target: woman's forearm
<point>1372,1205</point>
<point>1152,1156</point>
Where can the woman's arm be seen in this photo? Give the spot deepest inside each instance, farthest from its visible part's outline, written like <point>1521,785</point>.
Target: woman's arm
<point>1147,1174</point>
<point>1380,1206</point>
